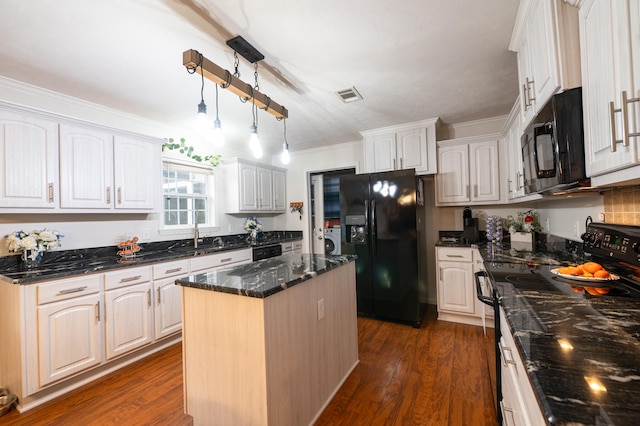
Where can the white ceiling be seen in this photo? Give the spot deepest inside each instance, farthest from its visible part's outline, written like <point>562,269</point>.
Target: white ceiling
<point>409,59</point>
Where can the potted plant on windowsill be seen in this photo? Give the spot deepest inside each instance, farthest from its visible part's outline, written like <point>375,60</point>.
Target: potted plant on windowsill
<point>523,229</point>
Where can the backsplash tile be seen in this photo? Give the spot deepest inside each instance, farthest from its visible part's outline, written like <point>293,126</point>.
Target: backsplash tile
<point>622,205</point>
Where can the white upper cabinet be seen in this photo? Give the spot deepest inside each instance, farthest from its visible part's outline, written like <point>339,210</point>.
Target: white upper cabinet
<point>515,181</point>
<point>86,167</point>
<point>29,161</point>
<point>137,173</point>
<point>251,187</point>
<point>75,167</point>
<point>546,39</point>
<point>468,171</point>
<point>408,146</point>
<point>610,48</point>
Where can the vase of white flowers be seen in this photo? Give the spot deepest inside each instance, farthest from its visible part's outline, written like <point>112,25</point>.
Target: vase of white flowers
<point>33,244</point>
<point>253,226</point>
<point>523,229</point>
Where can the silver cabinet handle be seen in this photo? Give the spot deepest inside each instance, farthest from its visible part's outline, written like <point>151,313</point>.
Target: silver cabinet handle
<point>401,164</point>
<point>50,191</point>
<point>149,298</point>
<point>394,164</point>
<point>625,118</point>
<point>454,255</point>
<point>509,182</point>
<point>119,195</point>
<point>98,311</point>
<point>612,121</point>
<point>72,290</point>
<point>226,259</point>
<point>524,97</point>
<point>170,271</point>
<point>531,98</point>
<point>158,291</point>
<point>126,280</point>
<point>475,191</point>
<point>108,195</point>
<point>503,350</point>
<point>468,192</point>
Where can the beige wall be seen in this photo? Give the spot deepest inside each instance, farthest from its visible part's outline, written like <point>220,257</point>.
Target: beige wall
<point>622,205</point>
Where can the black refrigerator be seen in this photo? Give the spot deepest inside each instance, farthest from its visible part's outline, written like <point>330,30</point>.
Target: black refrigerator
<point>379,225</point>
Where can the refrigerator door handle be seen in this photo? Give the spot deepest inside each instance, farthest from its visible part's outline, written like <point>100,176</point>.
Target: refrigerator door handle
<point>374,230</point>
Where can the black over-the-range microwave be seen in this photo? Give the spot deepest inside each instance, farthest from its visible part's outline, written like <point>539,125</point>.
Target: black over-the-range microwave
<point>553,146</point>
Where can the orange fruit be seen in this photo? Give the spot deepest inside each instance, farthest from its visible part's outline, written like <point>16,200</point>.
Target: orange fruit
<point>602,290</point>
<point>601,274</point>
<point>587,274</point>
<point>591,267</point>
<point>576,289</point>
<point>571,270</point>
<point>592,291</point>
<point>579,270</point>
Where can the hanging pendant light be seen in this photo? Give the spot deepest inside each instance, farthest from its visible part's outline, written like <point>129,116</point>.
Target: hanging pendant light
<point>202,107</point>
<point>218,136</point>
<point>254,141</point>
<point>284,157</point>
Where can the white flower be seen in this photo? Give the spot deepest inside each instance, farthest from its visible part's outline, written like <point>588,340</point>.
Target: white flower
<point>29,242</point>
<point>35,240</point>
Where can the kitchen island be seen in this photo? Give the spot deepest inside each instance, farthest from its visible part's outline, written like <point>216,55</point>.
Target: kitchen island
<point>268,343</point>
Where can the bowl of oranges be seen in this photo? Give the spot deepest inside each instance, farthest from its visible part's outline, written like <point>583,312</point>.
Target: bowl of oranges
<point>588,271</point>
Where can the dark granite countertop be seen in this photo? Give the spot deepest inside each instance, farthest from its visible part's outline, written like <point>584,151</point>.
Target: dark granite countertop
<point>67,263</point>
<point>604,332</point>
<point>266,277</point>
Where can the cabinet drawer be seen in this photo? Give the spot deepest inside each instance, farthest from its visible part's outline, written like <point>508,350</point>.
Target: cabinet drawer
<point>127,277</point>
<point>68,288</point>
<point>455,254</point>
<point>287,247</point>
<point>297,245</point>
<point>170,269</point>
<point>220,259</point>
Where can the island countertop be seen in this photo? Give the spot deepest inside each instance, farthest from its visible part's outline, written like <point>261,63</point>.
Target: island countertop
<point>266,277</point>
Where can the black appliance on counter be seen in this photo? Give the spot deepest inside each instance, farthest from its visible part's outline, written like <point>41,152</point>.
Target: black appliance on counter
<point>470,226</point>
<point>615,247</point>
<point>378,215</point>
<point>553,146</point>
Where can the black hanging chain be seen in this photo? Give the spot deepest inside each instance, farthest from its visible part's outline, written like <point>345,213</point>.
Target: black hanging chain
<point>202,76</point>
<point>236,62</point>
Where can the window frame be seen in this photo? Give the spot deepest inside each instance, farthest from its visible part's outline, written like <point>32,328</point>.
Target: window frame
<point>212,222</point>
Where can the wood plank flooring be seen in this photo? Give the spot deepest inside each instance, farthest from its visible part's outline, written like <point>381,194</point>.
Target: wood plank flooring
<point>440,374</point>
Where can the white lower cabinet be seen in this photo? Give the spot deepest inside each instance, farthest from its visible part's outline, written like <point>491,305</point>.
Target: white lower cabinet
<point>69,337</point>
<point>519,404</point>
<point>128,319</point>
<point>456,289</point>
<point>168,297</point>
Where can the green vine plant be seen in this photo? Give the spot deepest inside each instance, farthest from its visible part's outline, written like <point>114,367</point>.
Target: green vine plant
<point>171,145</point>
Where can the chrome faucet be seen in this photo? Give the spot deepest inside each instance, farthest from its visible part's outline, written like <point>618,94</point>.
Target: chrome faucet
<point>196,231</point>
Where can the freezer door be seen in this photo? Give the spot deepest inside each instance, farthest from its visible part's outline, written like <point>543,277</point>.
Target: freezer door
<point>394,246</point>
<point>354,219</point>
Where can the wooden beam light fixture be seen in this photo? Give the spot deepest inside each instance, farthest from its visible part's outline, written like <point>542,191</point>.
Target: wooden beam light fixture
<point>192,60</point>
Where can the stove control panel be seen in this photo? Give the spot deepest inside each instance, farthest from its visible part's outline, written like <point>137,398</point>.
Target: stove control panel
<point>619,242</point>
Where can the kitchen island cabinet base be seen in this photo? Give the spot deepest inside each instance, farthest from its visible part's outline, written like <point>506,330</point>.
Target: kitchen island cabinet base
<point>269,361</point>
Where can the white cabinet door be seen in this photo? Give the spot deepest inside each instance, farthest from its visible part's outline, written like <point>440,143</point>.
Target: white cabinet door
<point>128,319</point>
<point>412,149</point>
<point>69,337</point>
<point>525,81</point>
<point>381,150</point>
<point>453,174</point>
<point>137,173</point>
<point>279,190</point>
<point>168,307</point>
<point>248,175</point>
<point>484,171</point>
<point>265,189</point>
<point>29,161</point>
<point>456,287</point>
<point>514,133</point>
<point>86,168</point>
<point>607,70</point>
<point>543,64</point>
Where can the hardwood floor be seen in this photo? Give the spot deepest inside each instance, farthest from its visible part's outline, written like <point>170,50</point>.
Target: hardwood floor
<point>440,374</point>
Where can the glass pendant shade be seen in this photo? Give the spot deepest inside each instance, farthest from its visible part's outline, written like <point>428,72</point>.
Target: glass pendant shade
<point>284,157</point>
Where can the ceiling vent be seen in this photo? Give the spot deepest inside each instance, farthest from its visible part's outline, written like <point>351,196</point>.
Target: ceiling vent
<point>349,95</point>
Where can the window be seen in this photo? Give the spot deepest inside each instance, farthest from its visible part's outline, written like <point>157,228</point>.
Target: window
<point>187,196</point>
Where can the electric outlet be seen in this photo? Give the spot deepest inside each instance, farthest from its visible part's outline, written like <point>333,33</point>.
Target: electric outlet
<point>320,309</point>
<point>601,217</point>
<point>547,225</point>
